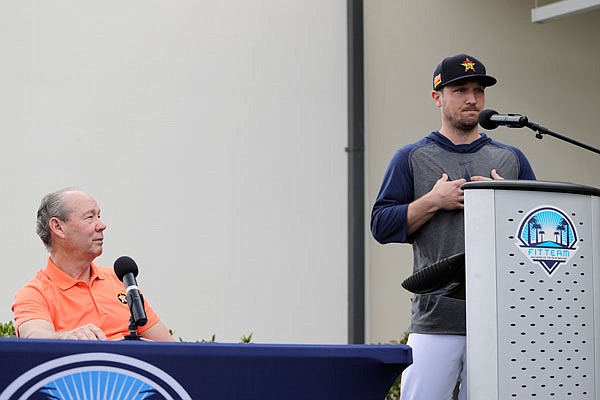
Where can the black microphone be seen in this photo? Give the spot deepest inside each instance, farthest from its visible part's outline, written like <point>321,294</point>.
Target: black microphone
<point>126,270</point>
<point>490,119</point>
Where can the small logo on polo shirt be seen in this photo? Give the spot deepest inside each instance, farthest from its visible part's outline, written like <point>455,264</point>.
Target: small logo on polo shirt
<point>122,297</point>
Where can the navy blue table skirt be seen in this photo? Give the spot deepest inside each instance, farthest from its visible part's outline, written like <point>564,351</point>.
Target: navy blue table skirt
<point>64,369</point>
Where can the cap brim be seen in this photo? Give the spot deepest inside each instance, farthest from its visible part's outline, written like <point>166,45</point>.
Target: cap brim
<point>486,80</point>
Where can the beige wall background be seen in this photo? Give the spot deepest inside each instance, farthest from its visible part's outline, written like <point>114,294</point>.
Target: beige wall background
<point>549,72</point>
<point>212,134</point>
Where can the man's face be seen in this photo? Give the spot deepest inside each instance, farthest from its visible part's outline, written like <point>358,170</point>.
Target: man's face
<point>84,229</point>
<point>461,104</point>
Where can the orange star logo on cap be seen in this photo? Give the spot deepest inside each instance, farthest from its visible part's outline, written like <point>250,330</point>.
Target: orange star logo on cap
<point>468,64</point>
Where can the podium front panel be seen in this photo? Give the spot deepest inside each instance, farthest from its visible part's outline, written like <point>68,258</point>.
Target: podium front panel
<point>532,306</point>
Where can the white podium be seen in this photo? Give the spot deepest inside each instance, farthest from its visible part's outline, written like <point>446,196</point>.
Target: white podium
<point>533,290</point>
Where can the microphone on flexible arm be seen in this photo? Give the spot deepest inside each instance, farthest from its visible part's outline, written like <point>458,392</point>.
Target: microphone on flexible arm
<point>126,270</point>
<point>490,119</point>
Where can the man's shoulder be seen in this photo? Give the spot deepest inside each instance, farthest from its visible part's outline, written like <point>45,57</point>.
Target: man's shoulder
<point>40,282</point>
<point>40,278</point>
<point>498,147</point>
<point>424,141</point>
<point>406,150</point>
<point>497,144</point>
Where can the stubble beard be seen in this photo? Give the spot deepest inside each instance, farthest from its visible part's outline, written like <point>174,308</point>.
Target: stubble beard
<point>465,126</point>
<point>461,124</point>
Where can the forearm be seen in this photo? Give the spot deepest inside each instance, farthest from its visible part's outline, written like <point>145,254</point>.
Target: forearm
<point>419,212</point>
<point>37,329</point>
<point>158,333</point>
<point>445,195</point>
<point>42,329</point>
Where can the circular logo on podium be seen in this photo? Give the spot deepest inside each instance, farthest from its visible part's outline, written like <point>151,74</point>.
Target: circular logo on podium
<point>547,236</point>
<point>95,376</point>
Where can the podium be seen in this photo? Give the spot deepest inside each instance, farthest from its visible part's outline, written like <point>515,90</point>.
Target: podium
<point>127,370</point>
<point>532,290</point>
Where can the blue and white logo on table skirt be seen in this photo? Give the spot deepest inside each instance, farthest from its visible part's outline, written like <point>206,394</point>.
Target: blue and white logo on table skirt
<point>95,376</point>
<point>547,236</point>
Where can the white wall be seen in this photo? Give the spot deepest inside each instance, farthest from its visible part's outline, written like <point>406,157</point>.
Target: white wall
<point>548,72</point>
<point>212,134</point>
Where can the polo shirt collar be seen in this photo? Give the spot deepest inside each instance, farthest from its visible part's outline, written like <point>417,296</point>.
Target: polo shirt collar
<point>64,281</point>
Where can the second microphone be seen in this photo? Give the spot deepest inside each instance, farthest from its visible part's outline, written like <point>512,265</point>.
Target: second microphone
<point>126,270</point>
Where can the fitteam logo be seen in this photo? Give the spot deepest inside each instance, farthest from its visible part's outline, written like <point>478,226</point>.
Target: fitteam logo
<point>95,376</point>
<point>547,236</point>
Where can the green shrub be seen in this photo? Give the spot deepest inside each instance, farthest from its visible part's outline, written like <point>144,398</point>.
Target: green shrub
<point>213,338</point>
<point>7,329</point>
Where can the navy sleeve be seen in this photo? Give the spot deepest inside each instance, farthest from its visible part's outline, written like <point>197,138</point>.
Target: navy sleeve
<point>525,170</point>
<point>389,214</point>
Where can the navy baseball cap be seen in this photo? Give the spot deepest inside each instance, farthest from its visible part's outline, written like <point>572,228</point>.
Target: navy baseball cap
<point>461,66</point>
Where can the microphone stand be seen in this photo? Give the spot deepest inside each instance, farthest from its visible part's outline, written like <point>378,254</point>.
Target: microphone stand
<point>133,335</point>
<point>540,131</point>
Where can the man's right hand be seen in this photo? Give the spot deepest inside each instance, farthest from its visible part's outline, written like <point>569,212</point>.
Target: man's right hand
<point>86,332</point>
<point>42,329</point>
<point>447,194</point>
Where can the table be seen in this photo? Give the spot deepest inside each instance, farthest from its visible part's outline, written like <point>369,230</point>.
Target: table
<point>39,369</point>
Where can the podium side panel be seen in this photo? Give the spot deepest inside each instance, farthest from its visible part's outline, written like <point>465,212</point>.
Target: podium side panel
<point>480,277</point>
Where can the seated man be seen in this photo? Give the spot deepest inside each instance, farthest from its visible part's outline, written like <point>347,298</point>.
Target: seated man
<point>72,298</point>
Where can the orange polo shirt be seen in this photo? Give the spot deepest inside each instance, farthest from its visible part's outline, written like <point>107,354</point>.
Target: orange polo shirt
<point>67,303</point>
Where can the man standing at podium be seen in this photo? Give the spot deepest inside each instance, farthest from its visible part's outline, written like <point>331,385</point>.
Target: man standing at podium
<point>72,298</point>
<point>421,202</point>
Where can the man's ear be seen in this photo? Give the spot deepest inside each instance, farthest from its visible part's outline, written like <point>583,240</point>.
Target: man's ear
<point>56,226</point>
<point>436,95</point>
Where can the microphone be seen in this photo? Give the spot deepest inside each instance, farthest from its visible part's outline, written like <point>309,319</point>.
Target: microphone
<point>490,119</point>
<point>126,270</point>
